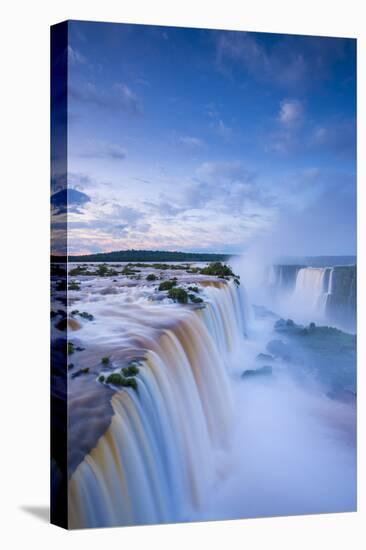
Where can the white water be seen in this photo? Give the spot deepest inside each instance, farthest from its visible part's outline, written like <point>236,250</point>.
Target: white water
<point>158,458</point>
<point>306,300</point>
<point>197,442</point>
<point>310,292</point>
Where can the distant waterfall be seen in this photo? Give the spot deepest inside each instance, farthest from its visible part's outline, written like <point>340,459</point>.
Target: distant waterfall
<point>159,455</point>
<point>312,287</point>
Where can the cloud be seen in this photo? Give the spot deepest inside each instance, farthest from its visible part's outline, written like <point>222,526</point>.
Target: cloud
<point>75,57</point>
<point>143,82</point>
<point>105,150</point>
<point>283,60</point>
<point>127,98</point>
<point>68,200</point>
<point>126,213</point>
<point>119,96</point>
<point>291,112</point>
<point>337,136</point>
<point>192,142</point>
<point>285,138</point>
<point>224,131</point>
<point>75,180</point>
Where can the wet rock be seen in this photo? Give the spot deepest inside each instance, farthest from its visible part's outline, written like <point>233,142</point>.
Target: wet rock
<point>266,370</point>
<point>80,372</point>
<point>264,357</point>
<point>279,349</point>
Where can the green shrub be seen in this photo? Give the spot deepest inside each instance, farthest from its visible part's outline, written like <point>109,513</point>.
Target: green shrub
<point>105,360</point>
<point>118,380</point>
<point>151,277</point>
<point>85,315</point>
<point>195,299</point>
<point>167,285</point>
<point>217,269</point>
<point>101,378</point>
<point>178,295</point>
<point>102,270</point>
<point>74,285</point>
<point>193,288</point>
<point>129,371</point>
<point>70,348</point>
<point>61,285</point>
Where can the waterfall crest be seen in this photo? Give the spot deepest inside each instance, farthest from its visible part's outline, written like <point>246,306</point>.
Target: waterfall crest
<point>147,467</point>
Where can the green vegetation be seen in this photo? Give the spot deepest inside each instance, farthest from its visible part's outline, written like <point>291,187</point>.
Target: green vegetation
<point>178,295</point>
<point>195,299</point>
<point>105,271</point>
<point>217,269</point>
<point>168,285</point>
<point>128,271</point>
<point>149,256</point>
<point>74,285</point>
<point>193,288</point>
<point>101,378</point>
<point>70,348</point>
<point>151,277</point>
<point>118,380</point>
<point>131,370</point>
<point>79,270</point>
<point>105,360</point>
<point>61,285</point>
<point>83,314</point>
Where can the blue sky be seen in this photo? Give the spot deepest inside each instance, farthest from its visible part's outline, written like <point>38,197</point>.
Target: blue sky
<point>207,140</point>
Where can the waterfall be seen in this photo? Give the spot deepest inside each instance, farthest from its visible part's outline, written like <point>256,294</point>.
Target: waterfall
<point>313,284</point>
<point>160,453</point>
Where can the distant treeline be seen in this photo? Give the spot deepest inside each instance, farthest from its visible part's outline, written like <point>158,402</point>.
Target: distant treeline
<point>144,256</point>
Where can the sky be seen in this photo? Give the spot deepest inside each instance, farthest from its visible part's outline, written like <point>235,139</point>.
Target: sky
<point>207,141</point>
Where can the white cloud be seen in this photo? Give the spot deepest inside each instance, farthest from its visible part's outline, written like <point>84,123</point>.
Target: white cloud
<point>74,56</point>
<point>191,141</point>
<point>291,112</point>
<point>224,131</point>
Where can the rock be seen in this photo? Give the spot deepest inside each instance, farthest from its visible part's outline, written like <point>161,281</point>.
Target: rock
<point>266,370</point>
<point>279,349</point>
<point>264,357</point>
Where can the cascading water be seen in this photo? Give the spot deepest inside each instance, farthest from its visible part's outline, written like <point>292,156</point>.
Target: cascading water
<point>311,288</point>
<point>148,466</point>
